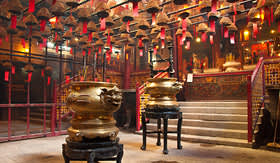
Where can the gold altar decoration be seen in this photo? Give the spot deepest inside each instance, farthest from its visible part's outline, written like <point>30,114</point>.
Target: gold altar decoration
<point>162,92</point>
<point>94,104</point>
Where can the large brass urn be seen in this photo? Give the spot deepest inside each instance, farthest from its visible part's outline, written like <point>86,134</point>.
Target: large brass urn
<point>162,92</point>
<point>94,104</point>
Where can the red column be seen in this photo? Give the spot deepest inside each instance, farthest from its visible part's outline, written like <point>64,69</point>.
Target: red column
<point>138,120</point>
<point>249,111</point>
<point>126,71</point>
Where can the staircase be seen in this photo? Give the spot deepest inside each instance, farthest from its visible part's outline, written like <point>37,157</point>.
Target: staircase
<point>214,122</point>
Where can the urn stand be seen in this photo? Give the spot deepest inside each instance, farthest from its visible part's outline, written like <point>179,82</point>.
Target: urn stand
<point>93,134</point>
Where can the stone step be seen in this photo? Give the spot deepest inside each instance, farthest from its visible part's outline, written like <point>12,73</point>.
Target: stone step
<point>216,117</point>
<point>241,103</point>
<point>214,109</point>
<point>204,131</point>
<point>210,124</point>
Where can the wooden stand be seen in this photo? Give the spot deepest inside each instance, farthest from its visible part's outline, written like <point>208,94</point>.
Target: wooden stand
<point>165,114</point>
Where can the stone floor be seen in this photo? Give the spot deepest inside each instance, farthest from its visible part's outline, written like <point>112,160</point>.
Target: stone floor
<point>49,150</point>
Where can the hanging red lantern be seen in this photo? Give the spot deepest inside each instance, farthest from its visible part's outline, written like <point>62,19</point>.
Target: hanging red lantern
<point>67,79</point>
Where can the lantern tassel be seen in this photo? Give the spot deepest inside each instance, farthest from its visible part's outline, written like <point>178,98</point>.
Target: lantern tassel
<point>140,44</point>
<point>67,77</point>
<point>56,48</point>
<point>108,39</point>
<point>153,18</point>
<point>43,24</point>
<point>141,52</point>
<point>99,50</point>
<point>13,69</point>
<point>188,45</point>
<point>233,19</point>
<point>31,6</point>
<point>23,42</point>
<point>135,8</point>
<point>214,6</point>
<point>184,24</point>
<point>181,40</point>
<point>203,36</point>
<point>102,24</point>
<point>212,25</point>
<point>49,80</point>
<point>162,44</point>
<point>155,50</point>
<point>211,39</point>
<point>90,36</point>
<point>85,27</point>
<point>84,53</point>
<point>29,76</point>
<point>13,21</point>
<point>45,42</point>
<point>127,26</point>
<point>255,30</point>
<point>71,50</point>
<point>225,32</point>
<point>7,74</point>
<point>42,72</point>
<point>162,33</point>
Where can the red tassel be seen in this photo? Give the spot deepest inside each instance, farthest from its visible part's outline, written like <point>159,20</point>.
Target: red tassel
<point>184,24</point>
<point>255,30</point>
<point>42,72</point>
<point>162,44</point>
<point>225,32</point>
<point>23,42</point>
<point>135,8</point>
<point>212,26</point>
<point>127,26</point>
<point>29,76</point>
<point>140,44</point>
<point>53,2</point>
<point>67,79</point>
<point>99,50</point>
<point>155,50</point>
<point>0,41</point>
<point>188,45</point>
<point>96,55</point>
<point>13,69</point>
<point>84,53</point>
<point>56,48</point>
<point>71,29</point>
<point>108,39</point>
<point>55,36</point>
<point>31,6</point>
<point>267,15</point>
<point>181,39</point>
<point>232,41</point>
<point>102,24</point>
<point>203,36</point>
<point>85,27</point>
<point>13,21</point>
<point>43,24</point>
<point>162,33</point>
<point>90,36</point>
<point>7,74</point>
<point>211,39</point>
<point>45,42</point>
<point>279,26</point>
<point>153,18</point>
<point>49,80</point>
<point>71,51</point>
<point>214,6</point>
<point>233,19</point>
<point>234,8</point>
<point>141,52</point>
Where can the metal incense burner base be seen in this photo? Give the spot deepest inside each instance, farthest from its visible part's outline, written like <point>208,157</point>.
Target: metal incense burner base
<point>92,151</point>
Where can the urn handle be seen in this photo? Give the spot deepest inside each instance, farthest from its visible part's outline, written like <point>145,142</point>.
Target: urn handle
<point>111,96</point>
<point>178,85</point>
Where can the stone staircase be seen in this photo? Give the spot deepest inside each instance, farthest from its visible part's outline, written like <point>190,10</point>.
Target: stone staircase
<point>214,122</point>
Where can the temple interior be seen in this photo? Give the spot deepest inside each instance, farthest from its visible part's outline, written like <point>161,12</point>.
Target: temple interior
<point>92,73</point>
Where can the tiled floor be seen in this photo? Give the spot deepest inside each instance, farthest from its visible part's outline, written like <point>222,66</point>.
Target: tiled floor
<point>49,150</point>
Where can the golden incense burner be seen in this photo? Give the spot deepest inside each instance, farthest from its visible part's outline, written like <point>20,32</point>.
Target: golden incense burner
<point>94,104</point>
<point>162,92</point>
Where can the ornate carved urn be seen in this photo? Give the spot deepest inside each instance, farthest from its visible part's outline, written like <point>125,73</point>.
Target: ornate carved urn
<point>94,104</point>
<point>162,92</point>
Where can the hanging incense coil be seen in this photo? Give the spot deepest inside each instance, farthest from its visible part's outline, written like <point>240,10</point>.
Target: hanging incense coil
<point>36,35</point>
<point>205,6</point>
<point>169,39</point>
<point>12,30</point>
<point>113,40</point>
<point>70,21</point>
<point>31,20</point>
<point>83,14</point>
<point>131,42</point>
<point>225,21</point>
<point>72,3</point>
<point>21,25</point>
<point>184,14</point>
<point>58,27</point>
<point>6,64</point>
<point>123,28</point>
<point>124,37</point>
<point>48,70</point>
<point>118,44</point>
<point>99,43</point>
<point>180,2</point>
<point>58,8</point>
<point>73,42</point>
<point>162,19</point>
<point>95,36</point>
<point>91,27</point>
<point>4,14</point>
<point>22,34</point>
<point>83,40</point>
<point>47,32</point>
<point>235,9</point>
<point>188,36</point>
<point>252,14</point>
<point>109,21</point>
<point>232,28</point>
<point>108,31</point>
<point>179,32</point>
<point>277,13</point>
<point>213,16</point>
<point>43,14</point>
<point>140,33</point>
<point>232,1</point>
<point>15,7</point>
<point>102,9</point>
<point>266,3</point>
<point>28,68</point>
<point>78,30</point>
<point>127,16</point>
<point>145,39</point>
<point>187,21</point>
<point>107,46</point>
<point>3,32</point>
<point>152,6</point>
<point>202,27</point>
<point>67,35</point>
<point>143,24</point>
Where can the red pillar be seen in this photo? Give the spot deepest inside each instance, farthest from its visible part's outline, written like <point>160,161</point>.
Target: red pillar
<point>126,71</point>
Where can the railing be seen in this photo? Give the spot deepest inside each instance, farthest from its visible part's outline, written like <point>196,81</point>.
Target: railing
<point>141,98</point>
